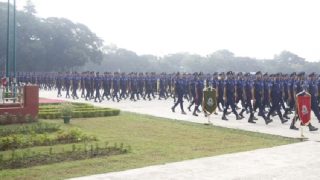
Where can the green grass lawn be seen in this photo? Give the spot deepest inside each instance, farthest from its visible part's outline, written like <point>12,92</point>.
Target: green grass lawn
<point>153,141</point>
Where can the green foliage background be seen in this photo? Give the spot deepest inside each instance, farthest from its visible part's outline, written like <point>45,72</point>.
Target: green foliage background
<point>58,44</point>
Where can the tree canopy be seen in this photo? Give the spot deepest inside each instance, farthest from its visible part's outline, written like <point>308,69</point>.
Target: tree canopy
<point>49,44</point>
<point>58,44</point>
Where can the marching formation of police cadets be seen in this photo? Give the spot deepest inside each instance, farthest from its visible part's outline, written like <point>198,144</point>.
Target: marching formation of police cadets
<point>256,94</point>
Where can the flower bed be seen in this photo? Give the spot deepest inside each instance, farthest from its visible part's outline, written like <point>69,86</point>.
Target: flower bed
<point>19,141</point>
<point>30,158</point>
<point>7,118</point>
<point>39,128</point>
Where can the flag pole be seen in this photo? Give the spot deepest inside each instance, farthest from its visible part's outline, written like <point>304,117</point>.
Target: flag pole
<point>8,47</point>
<point>8,39</point>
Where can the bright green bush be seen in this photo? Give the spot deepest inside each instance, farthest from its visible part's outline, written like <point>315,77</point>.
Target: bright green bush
<point>18,141</point>
<point>79,111</point>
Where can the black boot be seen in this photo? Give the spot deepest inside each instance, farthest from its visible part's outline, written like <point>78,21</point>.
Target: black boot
<point>293,127</point>
<point>283,120</point>
<point>224,117</point>
<point>189,108</point>
<point>312,128</point>
<point>267,120</point>
<point>241,113</point>
<point>250,120</point>
<point>286,116</point>
<point>239,117</point>
<point>194,113</point>
<point>293,122</point>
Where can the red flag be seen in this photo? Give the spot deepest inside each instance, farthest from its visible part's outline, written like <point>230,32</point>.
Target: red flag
<point>4,82</point>
<point>304,108</point>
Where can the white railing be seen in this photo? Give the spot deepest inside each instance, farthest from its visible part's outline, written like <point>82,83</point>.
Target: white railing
<point>12,95</point>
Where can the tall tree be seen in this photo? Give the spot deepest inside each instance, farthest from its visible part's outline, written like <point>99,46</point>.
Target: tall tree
<point>30,8</point>
<point>50,44</point>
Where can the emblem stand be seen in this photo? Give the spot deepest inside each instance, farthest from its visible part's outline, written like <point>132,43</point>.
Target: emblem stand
<point>302,137</point>
<point>209,103</point>
<point>303,106</point>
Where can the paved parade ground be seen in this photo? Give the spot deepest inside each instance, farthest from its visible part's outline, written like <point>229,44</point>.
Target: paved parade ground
<point>295,161</point>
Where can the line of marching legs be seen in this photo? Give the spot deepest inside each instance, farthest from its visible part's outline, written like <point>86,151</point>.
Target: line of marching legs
<point>265,95</point>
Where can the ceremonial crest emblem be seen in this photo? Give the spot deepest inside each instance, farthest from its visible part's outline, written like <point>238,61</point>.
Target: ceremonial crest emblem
<point>209,101</point>
<point>303,100</point>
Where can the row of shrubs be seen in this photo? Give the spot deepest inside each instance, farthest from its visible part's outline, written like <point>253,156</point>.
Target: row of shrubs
<point>30,158</point>
<point>7,118</point>
<point>39,128</point>
<point>57,106</point>
<point>19,141</point>
<point>99,112</point>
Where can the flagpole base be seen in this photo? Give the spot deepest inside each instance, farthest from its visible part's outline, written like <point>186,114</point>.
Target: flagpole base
<point>302,137</point>
<point>209,122</point>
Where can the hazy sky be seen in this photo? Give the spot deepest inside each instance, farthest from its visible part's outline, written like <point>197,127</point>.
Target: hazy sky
<point>255,28</point>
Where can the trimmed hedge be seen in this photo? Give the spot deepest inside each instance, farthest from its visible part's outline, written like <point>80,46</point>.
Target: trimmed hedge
<point>80,111</point>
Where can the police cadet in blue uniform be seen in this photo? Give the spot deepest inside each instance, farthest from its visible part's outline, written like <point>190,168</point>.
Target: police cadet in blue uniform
<point>186,86</point>
<point>106,82</point>
<point>291,98</point>
<point>199,86</point>
<point>92,76</point>
<point>284,95</point>
<point>314,92</point>
<point>134,86</point>
<point>75,85</point>
<point>51,80</point>
<point>59,84</point>
<point>123,86</point>
<point>300,86</point>
<point>179,92</point>
<point>67,84</point>
<point>87,86</point>
<point>276,97</point>
<point>240,83</point>
<point>162,86</point>
<point>192,85</point>
<point>258,97</point>
<point>214,84</point>
<point>221,87</point>
<point>154,84</point>
<point>97,86</point>
<point>141,85</point>
<point>148,86</point>
<point>229,96</point>
<point>116,85</point>
<point>267,82</point>
<point>215,81</point>
<point>166,85</point>
<point>82,85</point>
<point>248,97</point>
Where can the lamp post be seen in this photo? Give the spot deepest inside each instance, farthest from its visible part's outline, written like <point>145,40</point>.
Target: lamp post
<point>8,40</point>
<point>14,40</point>
<point>11,45</point>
